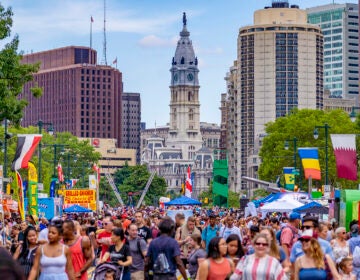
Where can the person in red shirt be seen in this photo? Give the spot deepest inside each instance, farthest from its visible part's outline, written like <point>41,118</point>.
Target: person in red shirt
<point>104,238</point>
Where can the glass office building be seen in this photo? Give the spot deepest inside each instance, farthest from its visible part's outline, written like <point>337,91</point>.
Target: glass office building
<point>340,26</point>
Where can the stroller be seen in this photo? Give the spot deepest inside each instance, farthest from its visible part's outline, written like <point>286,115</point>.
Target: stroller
<point>103,268</point>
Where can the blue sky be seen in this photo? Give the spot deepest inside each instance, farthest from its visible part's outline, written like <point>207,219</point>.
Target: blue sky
<point>142,35</point>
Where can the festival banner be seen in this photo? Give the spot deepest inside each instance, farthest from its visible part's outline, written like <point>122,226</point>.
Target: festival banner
<point>82,197</point>
<point>52,187</point>
<point>32,189</point>
<point>345,155</point>
<point>21,196</point>
<point>25,148</point>
<point>289,178</point>
<point>310,161</point>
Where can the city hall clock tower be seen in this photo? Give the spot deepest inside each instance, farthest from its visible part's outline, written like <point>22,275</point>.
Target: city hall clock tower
<point>184,129</point>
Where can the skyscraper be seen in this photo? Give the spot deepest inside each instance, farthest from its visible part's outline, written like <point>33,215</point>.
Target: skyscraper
<point>79,96</point>
<point>279,67</point>
<point>340,25</point>
<point>131,116</point>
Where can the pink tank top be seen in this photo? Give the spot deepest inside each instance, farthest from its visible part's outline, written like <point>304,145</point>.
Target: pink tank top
<point>219,271</point>
<point>78,259</point>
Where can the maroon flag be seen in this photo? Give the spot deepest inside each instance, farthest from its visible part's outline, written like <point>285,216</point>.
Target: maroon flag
<point>345,155</point>
<point>26,146</point>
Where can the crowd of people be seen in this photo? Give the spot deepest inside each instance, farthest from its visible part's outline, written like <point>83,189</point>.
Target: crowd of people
<point>212,244</point>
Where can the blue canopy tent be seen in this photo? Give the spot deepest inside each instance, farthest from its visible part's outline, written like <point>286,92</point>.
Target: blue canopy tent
<point>77,209</point>
<point>183,200</point>
<point>312,207</point>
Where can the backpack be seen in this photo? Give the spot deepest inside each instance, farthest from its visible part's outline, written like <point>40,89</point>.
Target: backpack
<point>278,234</point>
<point>356,256</point>
<point>161,264</point>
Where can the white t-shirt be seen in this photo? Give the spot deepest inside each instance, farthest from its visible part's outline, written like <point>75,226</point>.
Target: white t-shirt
<point>226,231</point>
<point>43,235</point>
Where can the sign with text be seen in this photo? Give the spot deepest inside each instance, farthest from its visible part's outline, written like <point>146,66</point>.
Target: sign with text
<point>79,196</point>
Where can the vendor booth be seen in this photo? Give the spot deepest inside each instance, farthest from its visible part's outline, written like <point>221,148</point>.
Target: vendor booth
<point>349,207</point>
<point>285,204</point>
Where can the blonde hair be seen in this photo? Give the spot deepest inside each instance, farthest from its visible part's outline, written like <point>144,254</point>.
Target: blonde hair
<point>274,249</point>
<point>316,253</point>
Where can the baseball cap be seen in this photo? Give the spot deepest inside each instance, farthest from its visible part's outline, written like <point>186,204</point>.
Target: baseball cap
<point>294,216</point>
<point>306,235</point>
<point>354,228</point>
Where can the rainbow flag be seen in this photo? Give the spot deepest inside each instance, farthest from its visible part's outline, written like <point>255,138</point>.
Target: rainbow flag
<point>310,161</point>
<point>289,178</point>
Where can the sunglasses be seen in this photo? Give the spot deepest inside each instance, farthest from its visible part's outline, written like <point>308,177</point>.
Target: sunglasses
<point>261,244</point>
<point>306,227</point>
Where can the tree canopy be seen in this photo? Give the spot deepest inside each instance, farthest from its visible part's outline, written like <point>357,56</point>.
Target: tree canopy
<point>133,179</point>
<point>13,74</point>
<point>300,124</point>
<point>76,156</point>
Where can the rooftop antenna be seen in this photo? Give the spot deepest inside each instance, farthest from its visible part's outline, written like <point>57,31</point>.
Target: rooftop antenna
<point>104,60</point>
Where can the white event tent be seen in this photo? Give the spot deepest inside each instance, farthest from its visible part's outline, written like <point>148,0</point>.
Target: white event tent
<point>285,204</point>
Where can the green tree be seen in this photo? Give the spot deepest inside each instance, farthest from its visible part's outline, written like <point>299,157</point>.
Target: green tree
<point>301,124</point>
<point>76,156</point>
<point>259,193</point>
<point>13,74</point>
<point>133,179</point>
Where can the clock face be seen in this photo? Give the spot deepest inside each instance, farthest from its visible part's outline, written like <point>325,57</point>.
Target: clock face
<point>190,77</point>
<point>175,77</point>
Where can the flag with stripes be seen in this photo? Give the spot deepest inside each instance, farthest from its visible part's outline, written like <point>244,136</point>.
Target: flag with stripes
<point>345,155</point>
<point>310,161</point>
<point>26,146</point>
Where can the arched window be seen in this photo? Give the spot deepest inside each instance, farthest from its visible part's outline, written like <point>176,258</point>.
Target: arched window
<point>182,60</point>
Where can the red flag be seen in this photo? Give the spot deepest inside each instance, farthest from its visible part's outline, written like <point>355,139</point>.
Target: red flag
<point>115,61</point>
<point>92,20</point>
<point>345,154</point>
<point>97,170</point>
<point>60,173</point>
<point>26,146</point>
<point>188,189</point>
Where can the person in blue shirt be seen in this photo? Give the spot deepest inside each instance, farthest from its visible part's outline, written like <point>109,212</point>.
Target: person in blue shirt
<point>354,241</point>
<point>210,231</point>
<point>310,222</point>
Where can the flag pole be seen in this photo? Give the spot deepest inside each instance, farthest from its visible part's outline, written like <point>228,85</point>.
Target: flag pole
<point>91,22</point>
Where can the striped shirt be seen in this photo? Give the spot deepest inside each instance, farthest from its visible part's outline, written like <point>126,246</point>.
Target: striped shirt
<point>254,268</point>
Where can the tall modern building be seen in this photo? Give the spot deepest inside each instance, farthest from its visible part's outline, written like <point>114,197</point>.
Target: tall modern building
<point>131,119</point>
<point>279,67</point>
<point>186,142</point>
<point>79,96</point>
<point>340,26</point>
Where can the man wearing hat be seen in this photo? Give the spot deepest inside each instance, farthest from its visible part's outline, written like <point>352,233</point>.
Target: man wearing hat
<point>210,231</point>
<point>310,223</point>
<point>289,232</point>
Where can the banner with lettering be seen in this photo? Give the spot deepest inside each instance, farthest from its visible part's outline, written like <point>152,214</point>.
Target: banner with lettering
<point>32,189</point>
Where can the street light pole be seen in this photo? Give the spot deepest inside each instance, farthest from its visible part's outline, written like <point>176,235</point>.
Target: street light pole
<point>5,148</point>
<point>51,130</point>
<point>316,135</point>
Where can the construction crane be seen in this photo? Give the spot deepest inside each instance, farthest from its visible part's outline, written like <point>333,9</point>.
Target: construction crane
<point>146,189</point>
<point>113,186</point>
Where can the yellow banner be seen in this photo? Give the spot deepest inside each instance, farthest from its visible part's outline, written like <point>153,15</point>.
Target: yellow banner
<point>83,196</point>
<point>32,189</point>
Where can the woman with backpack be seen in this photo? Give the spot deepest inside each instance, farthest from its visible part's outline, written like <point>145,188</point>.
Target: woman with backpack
<point>216,266</point>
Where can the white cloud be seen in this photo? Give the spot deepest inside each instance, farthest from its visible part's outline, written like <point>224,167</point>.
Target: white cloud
<point>155,41</point>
